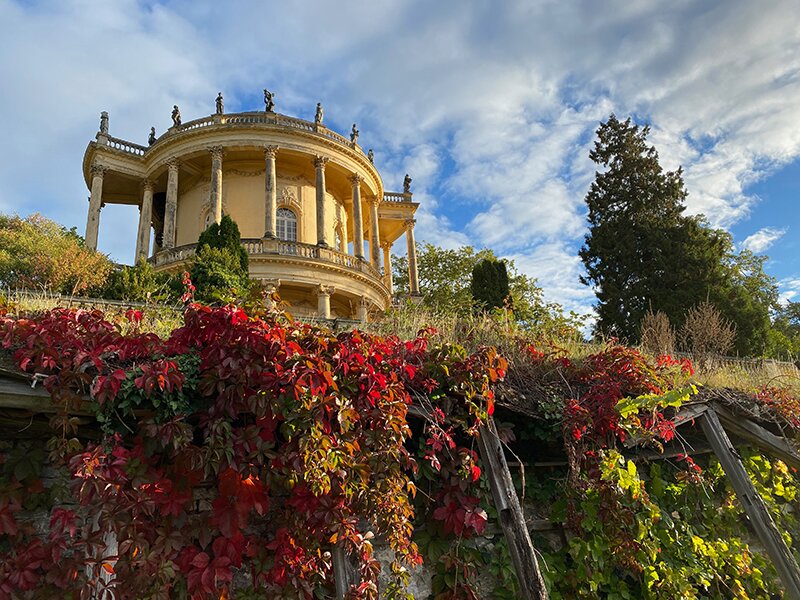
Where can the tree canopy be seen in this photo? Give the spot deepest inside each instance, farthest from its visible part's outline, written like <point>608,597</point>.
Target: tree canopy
<point>37,253</point>
<point>489,284</point>
<point>642,253</point>
<point>220,270</point>
<point>445,283</point>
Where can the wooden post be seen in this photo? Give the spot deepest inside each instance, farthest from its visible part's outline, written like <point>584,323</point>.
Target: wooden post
<point>512,520</point>
<point>341,571</point>
<point>753,504</point>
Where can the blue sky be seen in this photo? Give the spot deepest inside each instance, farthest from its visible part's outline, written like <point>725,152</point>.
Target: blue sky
<point>490,106</point>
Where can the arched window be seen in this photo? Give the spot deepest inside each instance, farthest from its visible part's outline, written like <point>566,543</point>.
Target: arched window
<point>286,225</point>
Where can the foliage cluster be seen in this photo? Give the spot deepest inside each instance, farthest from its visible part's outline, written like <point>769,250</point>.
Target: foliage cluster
<point>642,253</point>
<point>445,282</point>
<point>240,446</point>
<point>220,269</point>
<point>489,285</point>
<point>665,529</point>
<point>39,254</point>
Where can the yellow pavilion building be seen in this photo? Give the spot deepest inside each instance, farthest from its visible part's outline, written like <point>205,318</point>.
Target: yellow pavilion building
<point>311,206</point>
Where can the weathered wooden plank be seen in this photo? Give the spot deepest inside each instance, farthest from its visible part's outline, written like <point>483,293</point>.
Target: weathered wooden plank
<point>685,414</point>
<point>341,571</point>
<point>20,394</point>
<point>512,519</point>
<point>752,503</point>
<point>758,435</point>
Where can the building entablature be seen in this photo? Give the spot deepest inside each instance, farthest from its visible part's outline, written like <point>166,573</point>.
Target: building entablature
<point>241,131</point>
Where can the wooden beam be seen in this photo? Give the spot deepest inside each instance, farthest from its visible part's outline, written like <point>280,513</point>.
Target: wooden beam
<point>512,519</point>
<point>341,571</point>
<point>759,436</point>
<point>752,503</point>
<point>20,394</point>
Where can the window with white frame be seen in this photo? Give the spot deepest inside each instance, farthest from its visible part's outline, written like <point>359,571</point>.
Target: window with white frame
<point>286,225</point>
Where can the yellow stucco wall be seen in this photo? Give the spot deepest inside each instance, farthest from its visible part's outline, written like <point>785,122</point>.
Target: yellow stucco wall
<point>243,200</point>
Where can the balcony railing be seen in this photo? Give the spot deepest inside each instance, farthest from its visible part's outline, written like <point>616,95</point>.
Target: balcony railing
<point>256,247</point>
<point>397,196</point>
<point>246,119</point>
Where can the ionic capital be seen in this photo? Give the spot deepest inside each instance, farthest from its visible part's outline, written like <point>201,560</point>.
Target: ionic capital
<point>270,152</point>
<point>98,170</point>
<point>374,200</point>
<point>409,223</point>
<point>321,161</point>
<point>217,152</point>
<point>356,179</point>
<point>173,164</point>
<point>147,185</point>
<point>387,245</point>
<point>325,290</point>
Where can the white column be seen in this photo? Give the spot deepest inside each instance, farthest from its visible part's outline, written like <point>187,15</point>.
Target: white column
<point>358,223</point>
<point>215,199</point>
<point>322,229</point>
<point>270,192</point>
<point>387,264</point>
<point>375,238</point>
<point>95,202</point>
<point>362,310</point>
<point>145,216</point>
<point>324,293</point>
<point>171,208</point>
<point>413,276</point>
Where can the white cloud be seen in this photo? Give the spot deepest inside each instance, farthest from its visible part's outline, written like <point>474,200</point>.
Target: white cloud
<point>490,107</point>
<point>762,239</point>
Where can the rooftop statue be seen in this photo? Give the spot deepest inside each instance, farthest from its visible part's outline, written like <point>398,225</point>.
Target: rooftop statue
<point>220,104</point>
<point>407,184</point>
<point>371,156</point>
<point>176,116</point>
<point>318,117</point>
<point>269,100</point>
<point>152,138</point>
<point>104,122</point>
<point>354,134</point>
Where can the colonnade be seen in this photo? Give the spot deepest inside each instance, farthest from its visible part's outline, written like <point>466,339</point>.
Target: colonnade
<point>270,205</point>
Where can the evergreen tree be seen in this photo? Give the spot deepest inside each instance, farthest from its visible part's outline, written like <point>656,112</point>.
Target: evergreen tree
<point>489,284</point>
<point>635,209</point>
<point>221,268</point>
<point>643,254</point>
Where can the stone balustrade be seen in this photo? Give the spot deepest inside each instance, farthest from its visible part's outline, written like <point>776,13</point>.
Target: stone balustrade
<point>125,146</point>
<point>255,247</point>
<point>246,119</point>
<point>397,196</point>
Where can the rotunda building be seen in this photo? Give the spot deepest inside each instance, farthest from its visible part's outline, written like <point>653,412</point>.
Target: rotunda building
<point>311,207</point>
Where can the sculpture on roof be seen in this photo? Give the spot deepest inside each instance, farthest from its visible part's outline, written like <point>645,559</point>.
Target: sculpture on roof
<point>354,134</point>
<point>320,113</point>
<point>269,100</point>
<point>104,122</point>
<point>371,156</point>
<point>176,116</point>
<point>152,138</point>
<point>407,184</point>
<point>220,104</point>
